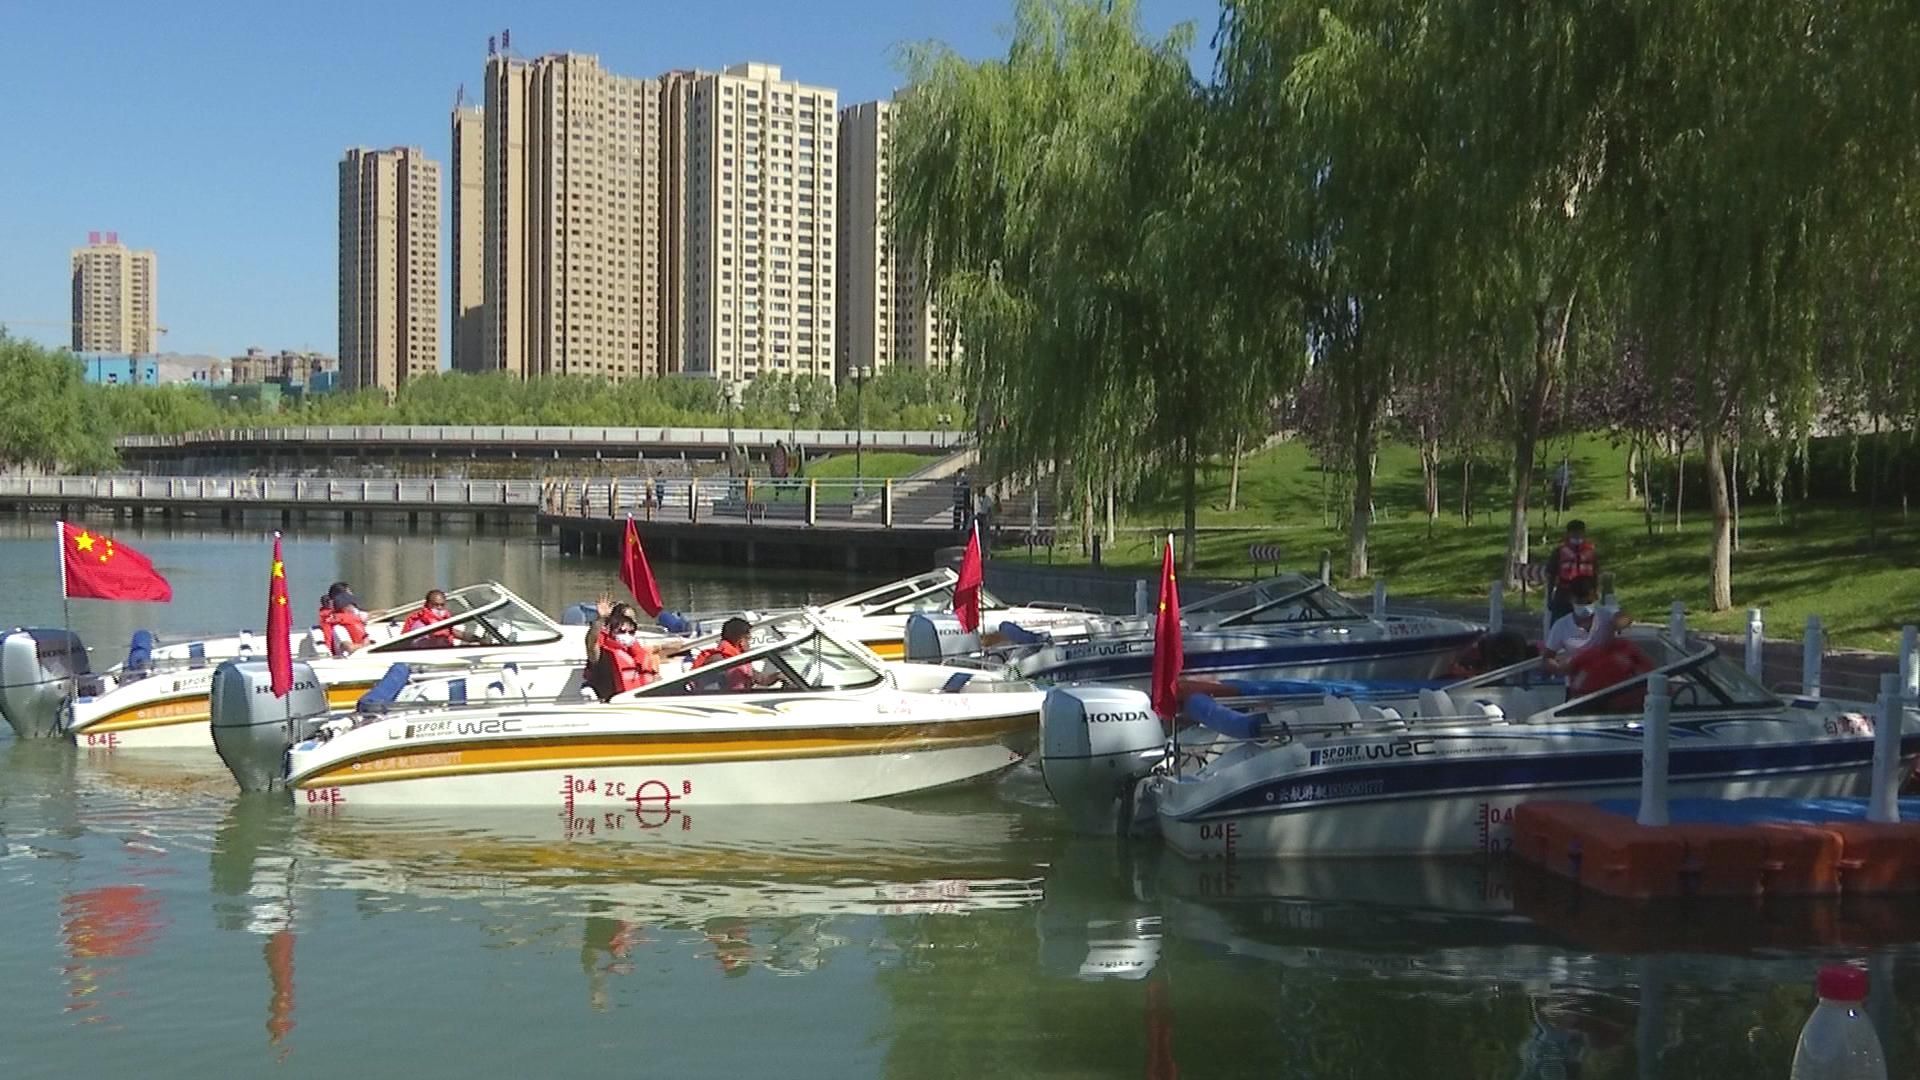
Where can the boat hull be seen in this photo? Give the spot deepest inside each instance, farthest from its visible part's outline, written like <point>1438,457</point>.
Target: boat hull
<point>1371,812</point>
<point>1129,664</point>
<point>657,773</point>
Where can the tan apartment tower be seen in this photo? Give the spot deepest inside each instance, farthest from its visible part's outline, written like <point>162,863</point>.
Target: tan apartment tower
<point>113,297</point>
<point>886,317</point>
<point>572,249</point>
<point>468,190</point>
<point>761,211</point>
<point>389,268</point>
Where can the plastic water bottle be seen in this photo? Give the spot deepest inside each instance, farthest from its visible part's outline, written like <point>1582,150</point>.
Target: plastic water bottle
<point>1838,1042</point>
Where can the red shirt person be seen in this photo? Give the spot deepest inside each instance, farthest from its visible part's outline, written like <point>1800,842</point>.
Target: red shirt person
<point>736,634</point>
<point>1606,660</point>
<point>432,610</point>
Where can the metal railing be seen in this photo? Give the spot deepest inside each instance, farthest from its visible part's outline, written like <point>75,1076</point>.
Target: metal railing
<point>155,490</point>
<point>547,436</point>
<point>884,503</point>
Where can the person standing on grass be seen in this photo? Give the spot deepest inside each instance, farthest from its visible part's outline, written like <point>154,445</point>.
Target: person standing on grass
<point>1574,559</point>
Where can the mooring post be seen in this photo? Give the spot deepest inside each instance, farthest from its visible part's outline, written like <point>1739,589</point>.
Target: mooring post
<point>1883,804</point>
<point>1496,606</point>
<point>1677,623</point>
<point>1142,597</point>
<point>1326,567</point>
<point>1756,644</point>
<point>813,500</point>
<point>1379,597</point>
<point>1653,753</point>
<point>1810,650</point>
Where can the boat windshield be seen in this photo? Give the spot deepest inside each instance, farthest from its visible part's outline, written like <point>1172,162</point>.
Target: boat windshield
<point>1697,681</point>
<point>932,601</point>
<point>1313,603</point>
<point>791,655</point>
<point>481,616</point>
<point>1248,597</point>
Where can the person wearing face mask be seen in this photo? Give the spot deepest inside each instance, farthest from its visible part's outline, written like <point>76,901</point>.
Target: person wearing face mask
<point>432,610</point>
<point>1571,631</point>
<point>622,660</point>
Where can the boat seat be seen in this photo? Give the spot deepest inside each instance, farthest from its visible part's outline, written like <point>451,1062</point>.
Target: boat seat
<point>1386,713</point>
<point>1339,710</point>
<point>1436,703</point>
<point>1490,710</point>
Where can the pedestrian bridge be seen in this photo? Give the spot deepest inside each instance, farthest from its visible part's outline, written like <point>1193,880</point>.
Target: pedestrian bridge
<point>293,447</point>
<point>840,522</point>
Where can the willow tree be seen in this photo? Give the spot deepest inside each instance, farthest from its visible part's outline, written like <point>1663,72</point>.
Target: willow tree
<point>1065,201</point>
<point>1328,123</point>
<point>1757,140</point>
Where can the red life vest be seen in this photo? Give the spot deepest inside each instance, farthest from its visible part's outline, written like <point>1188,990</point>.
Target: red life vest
<point>438,638</point>
<point>1597,667</point>
<point>634,665</point>
<point>738,677</point>
<point>349,620</point>
<point>1576,561</point>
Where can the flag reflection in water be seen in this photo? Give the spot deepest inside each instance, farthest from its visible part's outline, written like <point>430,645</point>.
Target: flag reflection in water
<point>102,925</point>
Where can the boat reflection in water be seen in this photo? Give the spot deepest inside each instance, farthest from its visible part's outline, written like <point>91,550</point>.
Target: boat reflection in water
<point>1389,951</point>
<point>766,888</point>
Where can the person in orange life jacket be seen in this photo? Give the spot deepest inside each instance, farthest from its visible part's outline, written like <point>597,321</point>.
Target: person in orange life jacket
<point>736,634</point>
<point>622,661</point>
<point>1574,559</point>
<point>432,610</point>
<point>342,623</point>
<point>1607,659</point>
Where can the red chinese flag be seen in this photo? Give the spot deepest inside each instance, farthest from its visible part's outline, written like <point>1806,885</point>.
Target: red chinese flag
<point>279,627</point>
<point>94,567</point>
<point>966,591</point>
<point>636,575</point>
<point>1166,642</point>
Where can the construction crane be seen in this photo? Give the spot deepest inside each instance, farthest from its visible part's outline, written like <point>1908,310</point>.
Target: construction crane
<point>67,323</point>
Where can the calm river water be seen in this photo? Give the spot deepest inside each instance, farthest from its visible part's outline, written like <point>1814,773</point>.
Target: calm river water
<point>158,925</point>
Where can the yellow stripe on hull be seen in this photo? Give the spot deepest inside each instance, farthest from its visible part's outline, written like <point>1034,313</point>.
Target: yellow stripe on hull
<point>887,648</point>
<point>522,755</point>
<point>196,710</point>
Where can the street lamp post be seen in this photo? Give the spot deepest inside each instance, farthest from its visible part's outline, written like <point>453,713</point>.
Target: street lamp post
<point>793,431</point>
<point>860,430</point>
<point>733,400</point>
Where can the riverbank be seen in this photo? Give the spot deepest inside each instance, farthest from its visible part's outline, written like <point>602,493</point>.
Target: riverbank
<point>1823,558</point>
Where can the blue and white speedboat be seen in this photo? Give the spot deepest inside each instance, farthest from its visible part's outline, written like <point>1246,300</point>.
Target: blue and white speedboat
<point>1287,627</point>
<point>1440,771</point>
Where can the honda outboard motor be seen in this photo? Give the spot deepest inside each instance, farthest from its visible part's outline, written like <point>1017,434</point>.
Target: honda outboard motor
<point>933,638</point>
<point>252,729</point>
<point>40,668</point>
<point>1096,742</point>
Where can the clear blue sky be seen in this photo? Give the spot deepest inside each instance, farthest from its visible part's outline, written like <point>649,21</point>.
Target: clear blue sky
<point>210,132</point>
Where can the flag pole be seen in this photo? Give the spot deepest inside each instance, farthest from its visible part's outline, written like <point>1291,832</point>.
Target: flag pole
<point>60,552</point>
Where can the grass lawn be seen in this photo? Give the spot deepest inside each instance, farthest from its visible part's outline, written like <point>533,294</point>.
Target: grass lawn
<point>875,466</point>
<point>1810,559</point>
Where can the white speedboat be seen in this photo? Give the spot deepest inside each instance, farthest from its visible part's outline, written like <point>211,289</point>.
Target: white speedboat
<point>1441,771</point>
<point>165,704</point>
<point>882,618</point>
<point>1288,627</point>
<point>826,721</point>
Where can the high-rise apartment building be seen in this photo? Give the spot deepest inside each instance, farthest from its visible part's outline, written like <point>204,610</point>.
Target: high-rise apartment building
<point>389,267</point>
<point>573,250</point>
<point>885,314</point>
<point>761,211</point>
<point>113,297</point>
<point>467,189</point>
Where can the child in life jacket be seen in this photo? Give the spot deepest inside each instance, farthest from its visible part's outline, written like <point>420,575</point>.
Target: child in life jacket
<point>342,624</point>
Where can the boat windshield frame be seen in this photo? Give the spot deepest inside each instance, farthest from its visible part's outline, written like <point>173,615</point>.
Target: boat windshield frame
<point>1685,670</point>
<point>503,598</point>
<point>1309,593</point>
<point>917,586</point>
<point>792,632</point>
